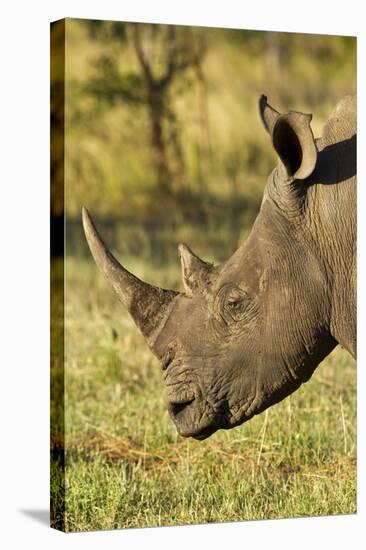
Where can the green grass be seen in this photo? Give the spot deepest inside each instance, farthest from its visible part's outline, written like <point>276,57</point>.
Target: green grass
<point>126,466</point>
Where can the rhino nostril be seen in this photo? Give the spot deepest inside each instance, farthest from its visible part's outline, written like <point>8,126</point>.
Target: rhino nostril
<point>178,407</point>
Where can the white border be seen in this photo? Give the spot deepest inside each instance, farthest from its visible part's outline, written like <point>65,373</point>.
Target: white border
<point>25,272</point>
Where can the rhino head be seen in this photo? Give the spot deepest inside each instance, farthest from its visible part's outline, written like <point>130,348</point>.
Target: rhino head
<point>244,334</point>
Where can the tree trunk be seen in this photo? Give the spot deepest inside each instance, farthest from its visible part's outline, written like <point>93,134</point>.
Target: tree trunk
<point>158,144</point>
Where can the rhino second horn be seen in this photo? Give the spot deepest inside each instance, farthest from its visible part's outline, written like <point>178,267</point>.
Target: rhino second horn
<point>148,305</point>
<point>195,271</point>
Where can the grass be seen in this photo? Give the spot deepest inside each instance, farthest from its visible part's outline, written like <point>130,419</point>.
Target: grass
<point>125,464</point>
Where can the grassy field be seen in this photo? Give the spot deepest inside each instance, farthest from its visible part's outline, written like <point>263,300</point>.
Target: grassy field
<point>126,466</point>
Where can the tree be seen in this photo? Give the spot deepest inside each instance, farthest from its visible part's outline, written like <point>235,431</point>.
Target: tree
<point>164,54</point>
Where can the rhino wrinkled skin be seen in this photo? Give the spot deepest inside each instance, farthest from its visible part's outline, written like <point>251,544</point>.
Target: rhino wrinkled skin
<point>245,334</point>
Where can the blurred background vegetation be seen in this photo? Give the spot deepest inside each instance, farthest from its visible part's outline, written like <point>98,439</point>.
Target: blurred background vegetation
<point>163,137</point>
<point>164,144</point>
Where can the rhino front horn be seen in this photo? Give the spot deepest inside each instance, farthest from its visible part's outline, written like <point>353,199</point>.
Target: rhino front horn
<point>148,305</point>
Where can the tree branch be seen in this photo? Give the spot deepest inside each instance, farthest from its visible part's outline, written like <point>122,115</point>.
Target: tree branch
<point>145,65</point>
<point>173,63</point>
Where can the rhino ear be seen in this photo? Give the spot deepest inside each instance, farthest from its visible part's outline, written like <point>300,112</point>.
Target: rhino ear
<point>195,272</point>
<point>294,142</point>
<point>292,138</point>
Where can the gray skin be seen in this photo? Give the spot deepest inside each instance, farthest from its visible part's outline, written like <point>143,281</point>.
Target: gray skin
<point>245,334</point>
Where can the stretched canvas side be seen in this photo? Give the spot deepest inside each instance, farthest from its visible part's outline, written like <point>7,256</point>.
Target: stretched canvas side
<point>57,436</point>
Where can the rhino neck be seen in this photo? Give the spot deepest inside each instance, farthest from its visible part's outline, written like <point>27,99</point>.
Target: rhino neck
<point>331,221</point>
<point>330,217</point>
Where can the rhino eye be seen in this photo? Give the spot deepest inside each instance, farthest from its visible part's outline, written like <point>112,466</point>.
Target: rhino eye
<point>236,306</point>
<point>234,303</point>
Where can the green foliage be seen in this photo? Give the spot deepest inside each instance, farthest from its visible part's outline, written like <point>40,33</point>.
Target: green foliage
<point>110,86</point>
<point>105,31</point>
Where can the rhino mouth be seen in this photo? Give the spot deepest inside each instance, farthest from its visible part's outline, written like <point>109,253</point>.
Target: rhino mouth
<point>206,433</point>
